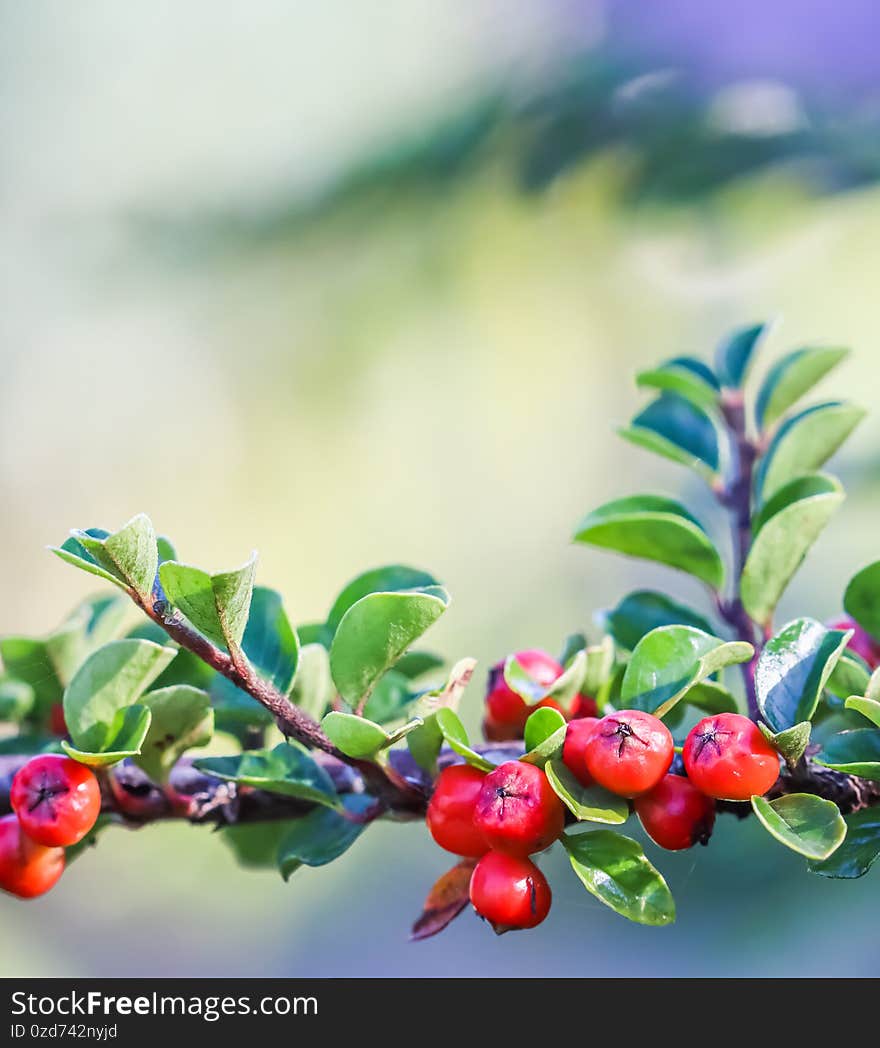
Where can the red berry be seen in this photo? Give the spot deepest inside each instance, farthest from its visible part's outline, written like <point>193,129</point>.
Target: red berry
<point>862,643</point>
<point>675,814</point>
<point>727,757</point>
<point>629,752</point>
<point>27,869</point>
<point>577,735</point>
<point>584,706</point>
<point>517,811</point>
<point>494,731</point>
<point>57,799</point>
<point>503,705</point>
<point>509,892</point>
<point>451,811</point>
<point>57,723</point>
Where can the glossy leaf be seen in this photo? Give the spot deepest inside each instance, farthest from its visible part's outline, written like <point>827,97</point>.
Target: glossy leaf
<point>790,378</point>
<point>796,515</point>
<point>672,659</point>
<point>862,599</point>
<point>389,579</point>
<point>547,749</point>
<point>355,736</point>
<point>675,428</point>
<point>654,528</point>
<point>286,769</point>
<point>322,836</point>
<point>791,743</point>
<point>804,443</point>
<point>855,752</point>
<point>689,378</point>
<point>426,741</point>
<point>455,735</point>
<point>793,670</point>
<point>375,632</point>
<point>869,708</point>
<point>446,899</point>
<point>645,610</point>
<point>735,354</point>
<point>217,605</point>
<point>313,686</point>
<point>711,698</point>
<point>859,850</point>
<point>850,676</point>
<point>586,803</point>
<point>802,822</point>
<point>269,641</point>
<point>124,738</point>
<point>181,719</point>
<point>615,870</point>
<point>541,725</point>
<point>112,678</point>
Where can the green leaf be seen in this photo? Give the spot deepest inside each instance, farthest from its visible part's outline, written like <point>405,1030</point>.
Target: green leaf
<point>35,662</point>
<point>711,698</point>
<point>795,517</point>
<point>850,676</point>
<point>803,444</point>
<point>674,428</point>
<point>541,725</point>
<point>72,551</point>
<point>124,738</point>
<point>130,555</point>
<point>586,803</point>
<point>600,660</point>
<point>862,599</point>
<point>217,605</point>
<point>286,769</point>
<point>182,719</point>
<point>793,670</point>
<point>392,578</point>
<point>791,743</point>
<point>672,659</point>
<point>313,686</point>
<point>790,378</point>
<point>854,752</point>
<point>269,641</point>
<point>614,869</point>
<point>455,735</point>
<point>735,354</point>
<point>645,610</point>
<point>111,679</point>
<point>426,741</point>
<point>654,528</point>
<point>547,749</point>
<point>689,378</point>
<point>255,845</point>
<point>375,632</point>
<point>390,698</point>
<point>321,836</point>
<point>355,736</point>
<point>803,822</point>
<point>869,708</point>
<point>16,700</point>
<point>859,850</point>
<point>416,664</point>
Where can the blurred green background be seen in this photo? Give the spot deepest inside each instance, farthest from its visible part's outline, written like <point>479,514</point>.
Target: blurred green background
<point>282,275</point>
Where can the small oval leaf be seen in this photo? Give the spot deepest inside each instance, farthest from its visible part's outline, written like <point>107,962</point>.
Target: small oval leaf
<point>803,822</point>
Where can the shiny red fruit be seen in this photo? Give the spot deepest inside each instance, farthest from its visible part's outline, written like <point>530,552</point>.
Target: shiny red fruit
<point>577,735</point>
<point>727,757</point>
<point>629,752</point>
<point>675,814</point>
<point>57,799</point>
<point>27,869</point>
<point>503,705</point>
<point>584,706</point>
<point>517,811</point>
<point>509,892</point>
<point>861,642</point>
<point>451,811</point>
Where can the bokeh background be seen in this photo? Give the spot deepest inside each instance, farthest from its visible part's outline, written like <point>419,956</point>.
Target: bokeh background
<point>361,282</point>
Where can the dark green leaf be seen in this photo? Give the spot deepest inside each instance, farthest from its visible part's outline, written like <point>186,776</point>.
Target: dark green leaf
<point>615,870</point>
<point>255,844</point>
<point>869,708</point>
<point>790,378</point>
<point>321,836</point>
<point>654,528</point>
<point>286,769</point>
<point>389,699</point>
<point>645,610</point>
<point>793,670</point>
<point>735,354</point>
<point>182,719</point>
<point>685,376</point>
<point>389,579</point>
<point>678,430</point>
<point>269,641</point>
<point>859,850</point>
<point>854,752</point>
<point>793,519</point>
<point>850,676</point>
<point>862,599</point>
<point>217,605</point>
<point>416,664</point>
<point>803,822</point>
<point>711,698</point>
<point>586,803</point>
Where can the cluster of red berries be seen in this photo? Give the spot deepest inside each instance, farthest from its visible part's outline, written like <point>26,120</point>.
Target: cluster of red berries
<point>55,802</point>
<point>507,712</point>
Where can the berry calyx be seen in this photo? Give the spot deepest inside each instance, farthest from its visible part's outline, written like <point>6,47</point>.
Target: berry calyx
<point>517,811</point>
<point>629,752</point>
<point>509,892</point>
<point>451,811</point>
<point>861,642</point>
<point>728,758</point>
<point>577,735</point>
<point>27,869</point>
<point>56,799</point>
<point>675,814</point>
<point>504,707</point>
